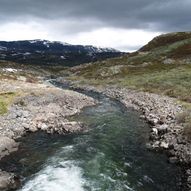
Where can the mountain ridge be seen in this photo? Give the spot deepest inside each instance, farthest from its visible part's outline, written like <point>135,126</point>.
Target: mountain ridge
<point>46,52</point>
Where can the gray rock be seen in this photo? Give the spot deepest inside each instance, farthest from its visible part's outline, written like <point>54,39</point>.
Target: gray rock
<point>164,145</point>
<point>162,129</point>
<point>43,127</point>
<point>25,114</point>
<point>8,181</point>
<point>156,145</point>
<point>18,114</point>
<point>153,121</point>
<point>155,131</point>
<point>168,61</point>
<point>173,160</point>
<point>153,136</point>
<point>26,125</point>
<point>7,146</point>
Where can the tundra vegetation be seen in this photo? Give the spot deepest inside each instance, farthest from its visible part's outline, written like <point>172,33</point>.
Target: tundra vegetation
<point>163,66</point>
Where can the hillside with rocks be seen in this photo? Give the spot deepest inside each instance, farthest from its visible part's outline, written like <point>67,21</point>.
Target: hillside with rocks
<point>162,66</point>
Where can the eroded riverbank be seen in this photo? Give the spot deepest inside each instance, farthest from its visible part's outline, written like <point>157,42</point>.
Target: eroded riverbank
<point>38,107</point>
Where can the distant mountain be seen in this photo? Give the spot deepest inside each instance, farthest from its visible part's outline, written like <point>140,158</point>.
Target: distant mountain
<point>44,52</point>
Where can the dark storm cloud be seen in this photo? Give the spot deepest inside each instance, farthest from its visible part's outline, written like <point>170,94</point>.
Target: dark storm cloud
<point>154,15</point>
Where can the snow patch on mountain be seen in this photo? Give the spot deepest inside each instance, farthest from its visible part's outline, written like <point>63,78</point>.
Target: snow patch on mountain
<point>26,53</point>
<point>2,48</point>
<point>93,49</point>
<point>62,57</point>
<point>41,52</point>
<point>48,43</point>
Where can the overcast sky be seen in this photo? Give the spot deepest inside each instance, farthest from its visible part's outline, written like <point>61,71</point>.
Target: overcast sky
<point>121,24</point>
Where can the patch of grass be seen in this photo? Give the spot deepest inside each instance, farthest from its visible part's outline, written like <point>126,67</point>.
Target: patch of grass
<point>172,80</point>
<point>181,52</point>
<point>6,99</point>
<point>182,117</point>
<point>3,108</point>
<point>175,82</point>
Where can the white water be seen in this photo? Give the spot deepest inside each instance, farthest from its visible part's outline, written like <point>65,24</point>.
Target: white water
<point>57,176</point>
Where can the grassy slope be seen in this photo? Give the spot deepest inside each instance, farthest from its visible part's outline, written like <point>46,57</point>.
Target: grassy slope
<point>26,73</point>
<point>163,66</point>
<point>6,99</point>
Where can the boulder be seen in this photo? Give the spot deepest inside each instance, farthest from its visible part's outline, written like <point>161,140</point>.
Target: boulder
<point>173,160</point>
<point>162,129</point>
<point>164,145</point>
<point>8,181</point>
<point>7,146</point>
<point>44,127</point>
<point>155,131</point>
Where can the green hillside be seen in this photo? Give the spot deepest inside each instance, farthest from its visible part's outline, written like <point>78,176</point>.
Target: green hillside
<point>162,66</point>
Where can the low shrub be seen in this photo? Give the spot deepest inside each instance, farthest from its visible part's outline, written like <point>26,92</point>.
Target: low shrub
<point>3,108</point>
<point>185,119</point>
<point>182,117</point>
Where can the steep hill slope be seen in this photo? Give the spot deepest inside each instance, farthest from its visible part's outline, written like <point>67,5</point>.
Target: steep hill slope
<point>162,66</point>
<point>43,52</point>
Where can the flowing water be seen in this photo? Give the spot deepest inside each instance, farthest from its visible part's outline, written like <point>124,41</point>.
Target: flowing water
<point>110,156</point>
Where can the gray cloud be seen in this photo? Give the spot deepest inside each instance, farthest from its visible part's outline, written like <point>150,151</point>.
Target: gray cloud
<point>153,15</point>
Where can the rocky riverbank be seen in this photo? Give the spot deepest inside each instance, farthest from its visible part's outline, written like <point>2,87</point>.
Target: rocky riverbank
<point>161,113</point>
<point>36,107</point>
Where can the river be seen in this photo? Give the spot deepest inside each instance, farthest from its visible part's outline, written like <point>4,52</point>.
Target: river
<point>110,156</point>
